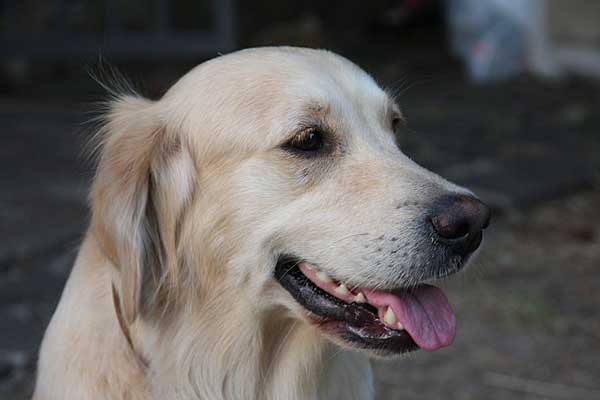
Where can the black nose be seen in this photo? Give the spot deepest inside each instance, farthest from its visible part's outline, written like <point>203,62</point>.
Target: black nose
<point>459,221</point>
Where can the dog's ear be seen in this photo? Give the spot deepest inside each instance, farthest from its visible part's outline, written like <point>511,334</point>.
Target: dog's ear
<point>145,178</point>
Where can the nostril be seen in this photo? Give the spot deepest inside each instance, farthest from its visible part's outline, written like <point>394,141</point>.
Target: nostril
<point>449,228</point>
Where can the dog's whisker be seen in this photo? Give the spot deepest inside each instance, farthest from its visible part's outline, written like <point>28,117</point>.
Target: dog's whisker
<point>335,353</point>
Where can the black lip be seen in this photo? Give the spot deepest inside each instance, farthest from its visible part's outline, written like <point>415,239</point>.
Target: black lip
<point>356,324</point>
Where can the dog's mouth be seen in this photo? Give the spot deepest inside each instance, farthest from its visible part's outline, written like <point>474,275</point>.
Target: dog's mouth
<point>385,322</point>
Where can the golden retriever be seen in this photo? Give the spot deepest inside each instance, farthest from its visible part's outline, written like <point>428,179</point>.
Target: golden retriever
<point>256,234</point>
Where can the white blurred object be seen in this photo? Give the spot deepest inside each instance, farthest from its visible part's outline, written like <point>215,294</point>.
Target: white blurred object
<point>501,38</point>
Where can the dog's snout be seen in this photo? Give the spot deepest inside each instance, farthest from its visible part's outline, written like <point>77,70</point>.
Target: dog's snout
<point>459,221</point>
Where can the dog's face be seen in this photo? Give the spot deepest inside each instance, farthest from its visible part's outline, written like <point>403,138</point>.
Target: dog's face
<point>294,193</point>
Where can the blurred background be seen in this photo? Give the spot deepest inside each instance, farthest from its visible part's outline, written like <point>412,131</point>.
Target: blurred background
<point>500,96</point>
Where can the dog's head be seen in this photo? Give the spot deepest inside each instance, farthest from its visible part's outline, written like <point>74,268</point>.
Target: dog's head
<point>273,178</point>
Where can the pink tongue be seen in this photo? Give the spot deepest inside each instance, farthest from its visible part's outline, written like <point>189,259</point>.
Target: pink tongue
<point>424,312</point>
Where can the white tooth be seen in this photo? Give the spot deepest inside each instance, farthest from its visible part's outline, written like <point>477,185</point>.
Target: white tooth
<point>400,326</point>
<point>308,266</point>
<point>390,317</point>
<point>342,289</point>
<point>360,298</point>
<point>324,277</point>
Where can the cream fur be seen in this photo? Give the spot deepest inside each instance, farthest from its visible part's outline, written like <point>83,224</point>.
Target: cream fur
<point>191,204</point>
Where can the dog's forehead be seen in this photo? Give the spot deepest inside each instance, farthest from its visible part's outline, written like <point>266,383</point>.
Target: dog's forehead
<point>274,90</point>
<point>337,94</point>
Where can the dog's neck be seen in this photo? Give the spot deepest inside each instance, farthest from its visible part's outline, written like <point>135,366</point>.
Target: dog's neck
<point>223,353</point>
<point>238,355</point>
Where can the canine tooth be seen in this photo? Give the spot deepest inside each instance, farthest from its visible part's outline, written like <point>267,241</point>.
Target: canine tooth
<point>390,317</point>
<point>342,289</point>
<point>324,277</point>
<point>400,326</point>
<point>360,298</point>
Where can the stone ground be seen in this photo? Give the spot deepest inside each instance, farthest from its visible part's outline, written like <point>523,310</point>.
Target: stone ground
<point>528,309</point>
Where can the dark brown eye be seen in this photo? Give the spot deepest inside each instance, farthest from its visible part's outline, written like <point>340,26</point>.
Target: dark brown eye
<point>308,141</point>
<point>397,123</point>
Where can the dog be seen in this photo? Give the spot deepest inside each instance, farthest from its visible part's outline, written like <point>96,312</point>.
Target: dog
<point>256,233</point>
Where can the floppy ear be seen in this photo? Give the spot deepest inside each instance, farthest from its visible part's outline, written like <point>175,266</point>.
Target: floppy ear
<point>143,182</point>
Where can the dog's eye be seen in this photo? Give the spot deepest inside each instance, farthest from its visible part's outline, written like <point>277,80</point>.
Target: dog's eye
<point>309,140</point>
<point>397,123</point>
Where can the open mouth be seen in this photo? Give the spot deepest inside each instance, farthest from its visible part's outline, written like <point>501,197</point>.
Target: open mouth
<point>386,322</point>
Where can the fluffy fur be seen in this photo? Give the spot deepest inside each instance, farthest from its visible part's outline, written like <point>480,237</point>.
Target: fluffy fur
<point>193,201</point>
